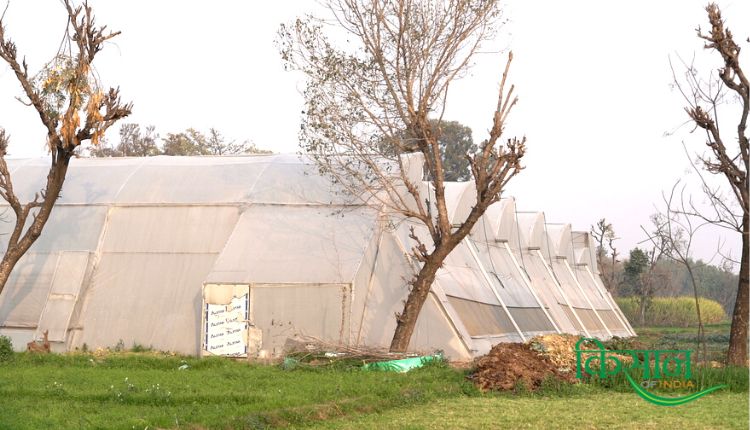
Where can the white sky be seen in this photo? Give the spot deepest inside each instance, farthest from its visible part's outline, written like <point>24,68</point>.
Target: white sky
<point>593,79</point>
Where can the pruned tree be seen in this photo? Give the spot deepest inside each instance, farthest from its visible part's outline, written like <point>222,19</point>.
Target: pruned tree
<point>72,109</point>
<point>606,253</point>
<point>389,80</point>
<point>727,155</point>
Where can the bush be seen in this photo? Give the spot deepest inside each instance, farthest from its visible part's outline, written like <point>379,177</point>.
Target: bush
<point>673,311</point>
<point>6,349</point>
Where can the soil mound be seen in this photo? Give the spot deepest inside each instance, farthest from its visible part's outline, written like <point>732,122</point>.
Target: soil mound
<point>550,356</point>
<point>508,365</point>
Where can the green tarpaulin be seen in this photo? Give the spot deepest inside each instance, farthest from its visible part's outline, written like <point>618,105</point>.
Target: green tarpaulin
<point>403,365</point>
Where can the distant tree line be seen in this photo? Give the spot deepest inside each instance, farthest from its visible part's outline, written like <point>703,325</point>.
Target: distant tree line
<point>455,143</point>
<point>648,273</point>
<point>671,279</point>
<point>145,142</point>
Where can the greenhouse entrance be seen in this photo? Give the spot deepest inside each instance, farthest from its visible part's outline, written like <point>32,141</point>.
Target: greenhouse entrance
<point>241,320</point>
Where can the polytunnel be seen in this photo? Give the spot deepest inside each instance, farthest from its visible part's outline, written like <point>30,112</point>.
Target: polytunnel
<point>237,256</point>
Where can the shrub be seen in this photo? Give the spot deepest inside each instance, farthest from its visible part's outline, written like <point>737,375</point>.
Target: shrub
<point>6,349</point>
<point>673,311</point>
<point>137,347</point>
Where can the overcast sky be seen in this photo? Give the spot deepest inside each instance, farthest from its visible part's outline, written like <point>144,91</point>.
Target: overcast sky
<point>593,79</point>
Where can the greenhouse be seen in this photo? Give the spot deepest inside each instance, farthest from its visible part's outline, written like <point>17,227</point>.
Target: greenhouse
<point>238,256</point>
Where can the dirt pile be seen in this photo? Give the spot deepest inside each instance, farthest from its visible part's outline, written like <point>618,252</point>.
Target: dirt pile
<point>551,356</point>
<point>558,349</point>
<point>508,365</point>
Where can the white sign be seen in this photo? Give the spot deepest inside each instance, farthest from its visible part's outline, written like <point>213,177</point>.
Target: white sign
<point>226,328</point>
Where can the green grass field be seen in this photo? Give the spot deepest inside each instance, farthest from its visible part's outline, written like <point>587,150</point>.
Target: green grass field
<point>590,411</point>
<point>147,390</point>
<point>716,336</point>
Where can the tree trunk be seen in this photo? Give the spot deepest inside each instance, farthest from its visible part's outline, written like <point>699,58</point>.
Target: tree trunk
<point>407,320</point>
<point>6,266</point>
<point>737,355</point>
<point>55,180</point>
<point>642,311</point>
<point>701,331</point>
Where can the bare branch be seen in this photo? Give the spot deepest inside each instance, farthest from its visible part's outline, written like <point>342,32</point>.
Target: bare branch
<point>62,93</point>
<point>370,109</point>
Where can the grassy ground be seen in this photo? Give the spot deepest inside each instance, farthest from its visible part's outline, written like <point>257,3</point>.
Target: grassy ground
<point>716,335</point>
<point>146,390</point>
<point>143,391</point>
<point>592,411</point>
<point>138,391</point>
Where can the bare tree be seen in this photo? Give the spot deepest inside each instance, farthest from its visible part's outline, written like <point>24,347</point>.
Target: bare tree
<point>644,268</point>
<point>217,144</point>
<point>727,156</point>
<point>72,108</point>
<point>361,102</point>
<point>606,253</point>
<point>675,230</point>
<point>133,143</point>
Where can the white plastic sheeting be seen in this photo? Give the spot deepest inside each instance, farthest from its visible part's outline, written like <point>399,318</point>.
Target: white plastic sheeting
<point>70,273</point>
<point>138,249</point>
<point>150,299</point>
<point>25,293</point>
<point>70,228</point>
<point>288,243</point>
<point>586,269</point>
<point>283,311</point>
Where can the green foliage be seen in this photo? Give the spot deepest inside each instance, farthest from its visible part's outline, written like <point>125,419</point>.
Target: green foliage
<point>55,82</point>
<point>137,347</point>
<point>635,267</point>
<point>735,378</point>
<point>673,311</point>
<point>717,283</point>
<point>454,140</point>
<point>456,144</point>
<point>190,142</point>
<point>716,338</point>
<point>6,349</point>
<point>193,142</point>
<point>713,282</point>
